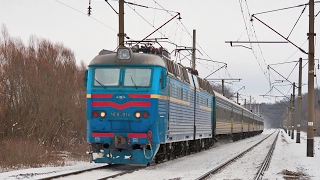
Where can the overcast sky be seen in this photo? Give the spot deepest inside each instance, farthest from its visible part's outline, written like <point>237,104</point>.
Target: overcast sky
<point>66,21</point>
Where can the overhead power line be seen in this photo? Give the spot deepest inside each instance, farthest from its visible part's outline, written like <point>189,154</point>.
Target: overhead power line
<point>85,14</point>
<point>251,32</point>
<point>169,12</point>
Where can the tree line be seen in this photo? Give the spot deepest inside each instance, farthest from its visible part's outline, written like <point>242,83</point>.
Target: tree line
<point>276,114</point>
<point>42,95</point>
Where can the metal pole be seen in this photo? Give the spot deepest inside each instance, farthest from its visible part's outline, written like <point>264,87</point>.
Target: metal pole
<point>121,23</point>
<point>288,130</point>
<point>289,117</point>
<point>250,104</point>
<point>194,50</point>
<point>237,98</point>
<point>292,110</point>
<point>223,87</point>
<point>245,103</point>
<point>255,107</point>
<point>310,129</point>
<point>299,101</point>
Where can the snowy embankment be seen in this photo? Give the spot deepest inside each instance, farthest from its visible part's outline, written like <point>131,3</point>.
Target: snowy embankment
<point>289,156</point>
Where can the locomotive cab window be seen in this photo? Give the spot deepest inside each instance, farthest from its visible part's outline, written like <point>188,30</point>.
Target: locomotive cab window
<point>137,77</point>
<point>106,77</point>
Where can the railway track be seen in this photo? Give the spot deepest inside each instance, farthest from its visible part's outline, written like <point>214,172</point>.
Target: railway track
<point>184,168</point>
<point>213,174</point>
<point>101,173</point>
<point>267,160</point>
<point>130,170</point>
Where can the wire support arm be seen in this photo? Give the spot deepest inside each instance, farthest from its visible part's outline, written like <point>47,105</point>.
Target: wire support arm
<point>216,70</point>
<point>243,87</point>
<point>279,74</point>
<point>111,7</point>
<point>253,16</point>
<point>273,96</point>
<point>178,14</point>
<point>282,9</point>
<point>233,42</point>
<point>281,93</point>
<point>224,79</point>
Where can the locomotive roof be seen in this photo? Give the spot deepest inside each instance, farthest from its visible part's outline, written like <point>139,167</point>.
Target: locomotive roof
<point>110,58</point>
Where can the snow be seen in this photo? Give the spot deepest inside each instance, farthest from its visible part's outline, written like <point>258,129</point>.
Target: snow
<point>38,173</point>
<point>292,156</point>
<point>242,167</point>
<point>288,156</point>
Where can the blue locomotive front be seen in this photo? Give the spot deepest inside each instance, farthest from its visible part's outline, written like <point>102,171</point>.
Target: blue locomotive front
<point>123,90</point>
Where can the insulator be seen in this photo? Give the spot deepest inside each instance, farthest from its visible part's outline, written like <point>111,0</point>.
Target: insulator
<point>89,10</point>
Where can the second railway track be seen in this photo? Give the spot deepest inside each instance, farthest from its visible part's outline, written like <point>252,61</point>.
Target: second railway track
<point>259,155</point>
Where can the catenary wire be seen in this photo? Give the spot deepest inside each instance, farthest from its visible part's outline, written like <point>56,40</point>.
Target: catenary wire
<point>248,34</point>
<point>85,14</point>
<point>186,31</point>
<point>255,34</point>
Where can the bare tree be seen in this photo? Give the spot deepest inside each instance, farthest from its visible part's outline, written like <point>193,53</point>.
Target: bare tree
<point>41,93</point>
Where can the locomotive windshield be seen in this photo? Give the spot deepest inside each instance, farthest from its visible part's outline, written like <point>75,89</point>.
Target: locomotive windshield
<point>137,77</point>
<point>107,77</point>
<point>132,77</point>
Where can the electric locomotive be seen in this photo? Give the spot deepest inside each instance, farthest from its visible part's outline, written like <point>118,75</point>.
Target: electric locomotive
<point>141,106</point>
<point>123,94</point>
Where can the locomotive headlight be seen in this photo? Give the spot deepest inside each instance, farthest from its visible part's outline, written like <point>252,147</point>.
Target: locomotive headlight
<point>123,54</point>
<point>137,114</point>
<point>102,114</point>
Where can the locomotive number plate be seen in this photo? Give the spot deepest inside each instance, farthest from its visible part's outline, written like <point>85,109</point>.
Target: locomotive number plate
<point>120,114</point>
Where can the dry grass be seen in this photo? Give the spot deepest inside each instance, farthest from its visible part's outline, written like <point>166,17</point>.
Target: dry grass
<point>290,175</point>
<point>17,154</point>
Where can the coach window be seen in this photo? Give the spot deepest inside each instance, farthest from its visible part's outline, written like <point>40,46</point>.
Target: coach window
<point>106,77</point>
<point>187,95</point>
<point>198,99</point>
<point>137,77</point>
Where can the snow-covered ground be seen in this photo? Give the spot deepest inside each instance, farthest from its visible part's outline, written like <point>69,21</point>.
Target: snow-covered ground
<point>292,156</point>
<point>289,156</point>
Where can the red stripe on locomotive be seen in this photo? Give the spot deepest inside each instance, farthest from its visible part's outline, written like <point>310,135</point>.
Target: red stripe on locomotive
<point>121,106</point>
<point>139,95</point>
<point>102,134</point>
<point>137,135</point>
<point>130,95</point>
<point>101,95</point>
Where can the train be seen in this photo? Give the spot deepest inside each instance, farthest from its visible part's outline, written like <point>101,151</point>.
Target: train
<point>143,107</point>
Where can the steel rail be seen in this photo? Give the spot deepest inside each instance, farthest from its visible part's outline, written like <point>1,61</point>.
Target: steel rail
<point>73,173</point>
<point>223,165</point>
<point>267,160</point>
<point>122,173</point>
